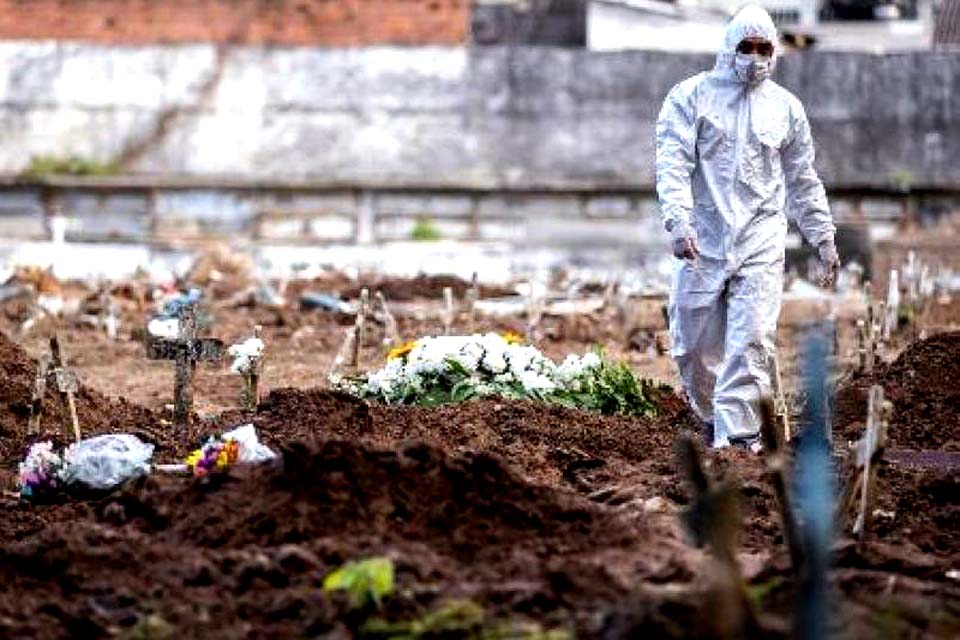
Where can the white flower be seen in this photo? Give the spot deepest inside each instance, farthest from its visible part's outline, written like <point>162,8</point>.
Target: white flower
<point>164,328</point>
<point>533,381</point>
<point>575,366</point>
<point>245,355</point>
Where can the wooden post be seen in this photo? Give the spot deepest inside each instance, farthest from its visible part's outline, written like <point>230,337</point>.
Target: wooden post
<point>108,313</point>
<point>880,334</point>
<point>713,520</point>
<point>534,315</point>
<point>777,460</point>
<point>358,327</point>
<point>344,355</point>
<point>39,390</point>
<point>251,393</point>
<point>391,334</point>
<point>473,294</point>
<point>861,479</point>
<point>782,410</point>
<point>186,350</point>
<point>448,310</point>
<point>66,383</point>
<point>861,346</point>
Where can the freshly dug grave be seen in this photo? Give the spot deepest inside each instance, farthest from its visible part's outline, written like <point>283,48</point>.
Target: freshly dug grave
<point>924,386</point>
<point>422,286</point>
<point>245,553</point>
<point>96,413</point>
<point>547,443</point>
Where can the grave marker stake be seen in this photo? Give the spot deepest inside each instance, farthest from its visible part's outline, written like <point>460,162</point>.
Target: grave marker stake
<point>251,392</point>
<point>534,315</point>
<point>39,390</point>
<point>713,520</point>
<point>344,355</point>
<point>391,336</point>
<point>186,350</point>
<point>473,294</point>
<point>781,400</point>
<point>359,326</point>
<point>777,461</point>
<point>448,310</point>
<point>861,346</point>
<point>66,383</point>
<point>872,448</point>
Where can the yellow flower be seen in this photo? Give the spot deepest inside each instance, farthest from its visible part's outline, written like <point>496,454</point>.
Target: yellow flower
<point>194,458</point>
<point>402,350</point>
<point>511,337</point>
<point>227,455</point>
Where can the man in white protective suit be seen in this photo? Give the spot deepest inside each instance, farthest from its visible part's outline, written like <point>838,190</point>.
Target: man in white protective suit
<point>734,153</point>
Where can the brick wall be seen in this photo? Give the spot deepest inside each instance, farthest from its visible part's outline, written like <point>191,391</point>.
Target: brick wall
<point>283,22</point>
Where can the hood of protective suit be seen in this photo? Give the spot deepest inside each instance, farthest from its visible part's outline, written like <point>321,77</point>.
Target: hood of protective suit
<point>750,22</point>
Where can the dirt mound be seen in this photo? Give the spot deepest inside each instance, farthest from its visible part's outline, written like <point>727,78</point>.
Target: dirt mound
<point>548,443</point>
<point>245,553</point>
<point>97,414</point>
<point>421,287</point>
<point>463,505</point>
<point>924,386</point>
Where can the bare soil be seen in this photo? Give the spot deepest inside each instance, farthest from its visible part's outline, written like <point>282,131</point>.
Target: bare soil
<point>540,514</point>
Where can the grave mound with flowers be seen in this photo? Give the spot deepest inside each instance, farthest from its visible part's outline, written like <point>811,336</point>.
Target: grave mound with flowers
<point>441,369</point>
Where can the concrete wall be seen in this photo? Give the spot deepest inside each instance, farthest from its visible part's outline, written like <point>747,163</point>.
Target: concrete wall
<point>446,116</point>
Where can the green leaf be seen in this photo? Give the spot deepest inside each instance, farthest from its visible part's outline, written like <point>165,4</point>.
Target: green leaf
<point>366,581</point>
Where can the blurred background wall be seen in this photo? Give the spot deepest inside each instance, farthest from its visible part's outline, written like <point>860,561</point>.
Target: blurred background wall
<point>523,120</point>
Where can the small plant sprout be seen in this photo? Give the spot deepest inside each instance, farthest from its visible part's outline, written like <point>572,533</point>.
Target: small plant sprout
<point>248,362</point>
<point>366,581</point>
<point>425,231</point>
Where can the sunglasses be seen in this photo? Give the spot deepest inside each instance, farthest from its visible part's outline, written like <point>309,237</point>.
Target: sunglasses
<point>749,46</point>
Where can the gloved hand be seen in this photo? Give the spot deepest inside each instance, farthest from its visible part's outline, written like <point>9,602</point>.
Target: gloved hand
<point>829,263</point>
<point>684,241</point>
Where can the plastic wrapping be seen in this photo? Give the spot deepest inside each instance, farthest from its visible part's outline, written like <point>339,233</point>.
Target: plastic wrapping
<point>106,461</point>
<point>251,449</point>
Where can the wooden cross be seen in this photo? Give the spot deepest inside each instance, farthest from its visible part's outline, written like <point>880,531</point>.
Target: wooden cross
<point>868,452</point>
<point>67,383</point>
<point>52,367</point>
<point>449,312</point>
<point>391,334</point>
<point>186,350</point>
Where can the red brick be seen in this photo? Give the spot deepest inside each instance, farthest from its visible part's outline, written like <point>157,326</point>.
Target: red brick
<point>282,22</point>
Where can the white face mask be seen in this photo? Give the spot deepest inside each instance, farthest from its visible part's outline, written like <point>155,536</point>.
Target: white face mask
<point>752,68</point>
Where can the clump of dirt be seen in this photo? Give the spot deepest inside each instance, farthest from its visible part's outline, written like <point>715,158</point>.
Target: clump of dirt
<point>245,552</point>
<point>924,386</point>
<point>919,508</point>
<point>96,413</point>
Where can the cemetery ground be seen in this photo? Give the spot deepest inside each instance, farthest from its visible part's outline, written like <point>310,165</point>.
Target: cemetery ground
<point>503,518</point>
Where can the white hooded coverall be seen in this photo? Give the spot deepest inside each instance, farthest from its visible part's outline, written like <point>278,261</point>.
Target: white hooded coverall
<point>732,156</point>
